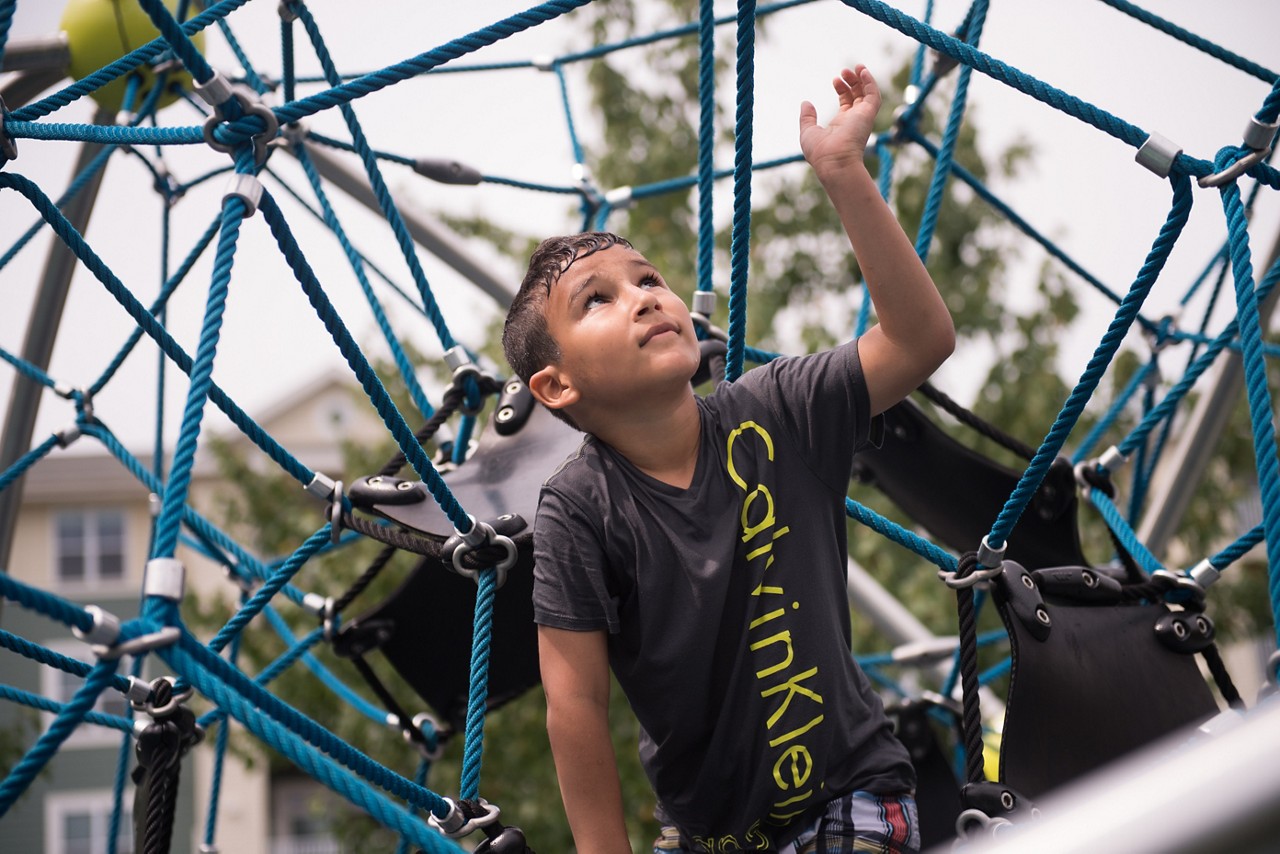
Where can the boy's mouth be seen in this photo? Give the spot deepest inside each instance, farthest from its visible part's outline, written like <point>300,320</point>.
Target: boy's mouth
<point>657,329</point>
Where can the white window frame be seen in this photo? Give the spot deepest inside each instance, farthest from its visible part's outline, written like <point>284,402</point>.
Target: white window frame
<point>87,735</point>
<point>92,579</point>
<point>97,803</point>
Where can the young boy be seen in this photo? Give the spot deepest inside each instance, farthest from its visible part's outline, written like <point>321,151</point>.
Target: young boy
<point>698,546</point>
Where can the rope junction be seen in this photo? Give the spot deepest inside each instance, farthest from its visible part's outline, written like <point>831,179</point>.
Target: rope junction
<point>235,119</point>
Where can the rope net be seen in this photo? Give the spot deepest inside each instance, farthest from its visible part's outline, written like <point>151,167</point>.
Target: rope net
<point>259,114</point>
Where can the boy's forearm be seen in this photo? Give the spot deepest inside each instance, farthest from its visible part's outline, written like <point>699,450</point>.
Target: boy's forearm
<point>915,331</point>
<point>904,294</point>
<point>588,773</point>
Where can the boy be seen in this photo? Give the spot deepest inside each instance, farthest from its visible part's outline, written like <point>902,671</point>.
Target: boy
<point>697,546</point>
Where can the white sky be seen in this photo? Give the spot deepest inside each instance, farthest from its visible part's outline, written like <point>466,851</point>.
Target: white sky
<point>1084,191</point>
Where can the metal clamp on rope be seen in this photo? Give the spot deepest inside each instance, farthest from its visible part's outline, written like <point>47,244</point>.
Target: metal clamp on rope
<point>329,618</point>
<point>465,818</point>
<point>164,577</point>
<point>139,691</point>
<point>1185,589</point>
<point>1094,475</point>
<point>1158,154</point>
<point>246,188</point>
<point>67,435</point>
<point>321,486</point>
<point>167,636</point>
<point>990,557</point>
<point>1257,139</point>
<point>480,536</point>
<point>423,733</point>
<point>286,11</point>
<point>1204,573</point>
<point>103,632</point>
<point>216,92</point>
<point>8,145</point>
<point>334,513</point>
<point>462,368</point>
<point>176,698</point>
<point>619,198</point>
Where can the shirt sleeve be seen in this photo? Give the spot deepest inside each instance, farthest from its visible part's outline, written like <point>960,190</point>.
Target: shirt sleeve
<point>821,400</point>
<point>570,588</point>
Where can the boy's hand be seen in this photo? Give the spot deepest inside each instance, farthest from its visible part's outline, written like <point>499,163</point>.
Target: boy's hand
<point>842,143</point>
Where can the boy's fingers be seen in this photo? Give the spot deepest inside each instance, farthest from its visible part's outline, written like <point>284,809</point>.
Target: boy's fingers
<point>808,115</point>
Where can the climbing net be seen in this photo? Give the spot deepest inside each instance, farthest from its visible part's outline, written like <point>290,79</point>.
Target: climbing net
<point>238,122</point>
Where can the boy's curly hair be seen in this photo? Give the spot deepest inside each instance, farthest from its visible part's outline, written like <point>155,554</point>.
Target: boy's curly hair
<point>527,343</point>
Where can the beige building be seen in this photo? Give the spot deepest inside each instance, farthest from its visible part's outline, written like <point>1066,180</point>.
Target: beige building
<point>84,533</point>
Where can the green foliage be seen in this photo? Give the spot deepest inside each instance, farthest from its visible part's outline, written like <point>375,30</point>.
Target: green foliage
<point>801,296</point>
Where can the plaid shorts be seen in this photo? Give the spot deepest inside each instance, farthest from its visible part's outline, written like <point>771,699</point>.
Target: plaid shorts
<point>857,823</point>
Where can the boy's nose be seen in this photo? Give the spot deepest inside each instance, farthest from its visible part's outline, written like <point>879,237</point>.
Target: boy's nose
<point>645,300</point>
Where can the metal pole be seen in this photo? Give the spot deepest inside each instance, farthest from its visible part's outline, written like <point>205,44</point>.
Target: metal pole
<point>433,235</point>
<point>42,329</point>
<point>1180,473</point>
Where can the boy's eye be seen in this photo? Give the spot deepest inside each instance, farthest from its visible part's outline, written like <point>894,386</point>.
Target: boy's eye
<point>593,300</point>
<point>650,282</point>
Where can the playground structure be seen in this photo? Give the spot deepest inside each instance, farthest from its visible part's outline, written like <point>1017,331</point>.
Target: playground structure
<point>240,124</point>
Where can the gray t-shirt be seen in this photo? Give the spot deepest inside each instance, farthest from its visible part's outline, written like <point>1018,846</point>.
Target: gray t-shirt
<point>725,604</point>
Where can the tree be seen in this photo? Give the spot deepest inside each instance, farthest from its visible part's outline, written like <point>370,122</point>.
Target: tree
<point>800,298</point>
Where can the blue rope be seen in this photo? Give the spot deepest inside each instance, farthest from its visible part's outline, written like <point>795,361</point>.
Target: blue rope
<point>942,166</point>
<point>1239,548</point>
<point>122,66</point>
<point>407,373</point>
<point>49,658</point>
<point>122,769</point>
<point>157,307</point>
<point>1259,395</point>
<point>6,19</point>
<point>1025,83</point>
<point>25,462</point>
<point>175,494</point>
<point>740,243</point>
<point>42,602</point>
<point>369,381</point>
<point>706,140</point>
<point>1102,356</point>
<point>44,704</point>
<point>263,595</point>
<point>1118,524</point>
<point>1164,409</point>
<point>324,674</point>
<point>478,693</point>
<point>143,318</point>
<point>73,189</point>
<point>896,533</point>
<point>46,746</point>
<point>240,698</point>
<point>385,203</point>
<point>219,757</point>
<point>1113,412</point>
<point>424,62</point>
<point>1194,40</point>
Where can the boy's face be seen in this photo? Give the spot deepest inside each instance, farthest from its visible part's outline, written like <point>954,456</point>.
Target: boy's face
<point>622,334</point>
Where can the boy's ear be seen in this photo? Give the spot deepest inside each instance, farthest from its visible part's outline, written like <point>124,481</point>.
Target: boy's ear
<point>550,387</point>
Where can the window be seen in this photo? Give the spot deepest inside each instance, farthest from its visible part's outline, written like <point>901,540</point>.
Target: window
<point>89,547</point>
<point>79,822</point>
<point>60,686</point>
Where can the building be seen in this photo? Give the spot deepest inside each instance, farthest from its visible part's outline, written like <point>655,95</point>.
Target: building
<point>84,533</point>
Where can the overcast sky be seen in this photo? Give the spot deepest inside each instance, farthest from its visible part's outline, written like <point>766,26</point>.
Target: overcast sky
<point>1084,189</point>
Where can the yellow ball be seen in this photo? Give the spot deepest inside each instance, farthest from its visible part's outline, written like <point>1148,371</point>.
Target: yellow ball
<point>101,31</point>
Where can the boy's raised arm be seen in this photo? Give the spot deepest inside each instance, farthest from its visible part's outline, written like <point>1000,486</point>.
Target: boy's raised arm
<point>914,333</point>
<point>575,677</point>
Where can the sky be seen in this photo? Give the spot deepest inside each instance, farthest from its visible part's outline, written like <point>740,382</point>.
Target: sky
<point>1084,189</point>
